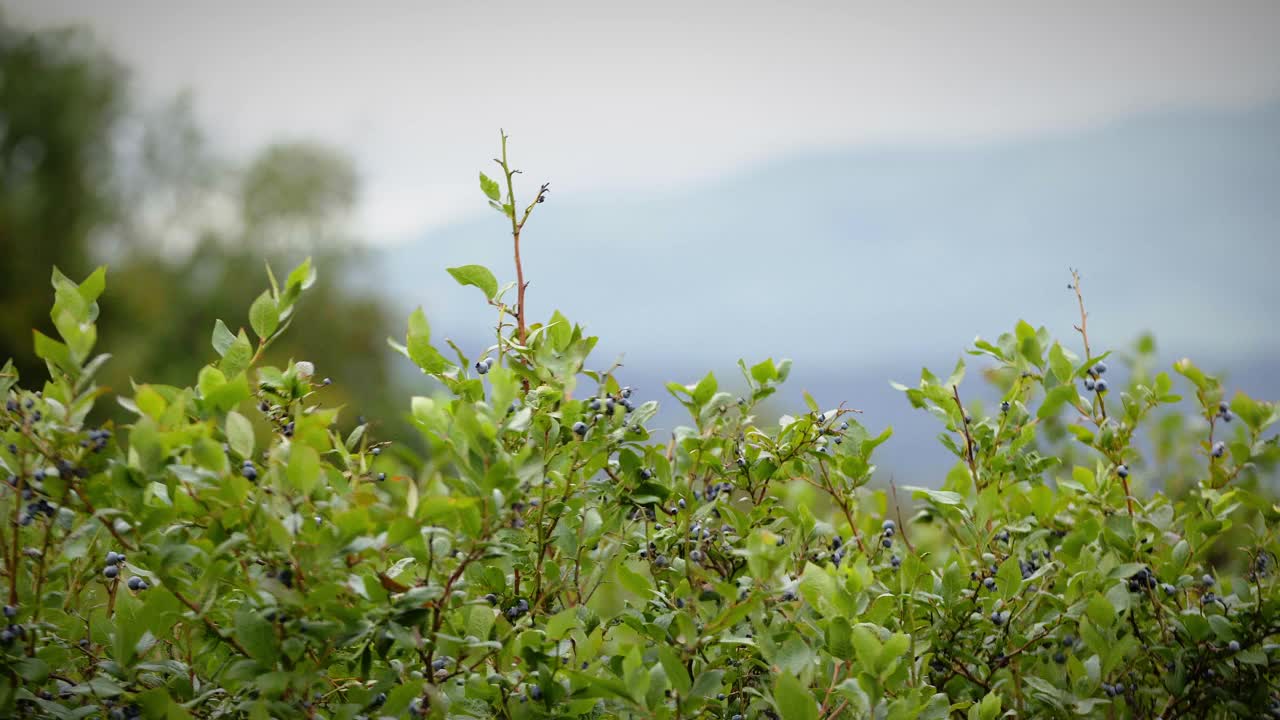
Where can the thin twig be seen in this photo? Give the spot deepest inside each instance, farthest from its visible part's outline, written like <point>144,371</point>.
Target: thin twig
<point>968,439</point>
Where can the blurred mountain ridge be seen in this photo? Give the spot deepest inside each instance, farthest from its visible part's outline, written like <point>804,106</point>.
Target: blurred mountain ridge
<point>865,264</point>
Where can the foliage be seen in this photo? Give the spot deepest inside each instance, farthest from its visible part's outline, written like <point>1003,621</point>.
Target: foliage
<point>229,554</point>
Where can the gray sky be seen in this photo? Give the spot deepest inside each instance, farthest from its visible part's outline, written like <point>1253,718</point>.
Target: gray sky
<point>604,97</point>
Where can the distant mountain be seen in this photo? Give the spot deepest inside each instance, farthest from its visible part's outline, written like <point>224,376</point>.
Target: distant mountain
<point>864,264</point>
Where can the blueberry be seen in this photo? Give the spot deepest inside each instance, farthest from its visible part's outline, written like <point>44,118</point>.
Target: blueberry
<point>788,596</point>
<point>1099,368</point>
<point>696,556</point>
<point>113,558</point>
<point>1088,383</point>
<point>989,583</point>
<point>1227,416</point>
<point>660,561</point>
<point>679,602</point>
<point>378,700</point>
<point>535,692</point>
<point>889,531</point>
<point>376,451</point>
<point>1059,658</point>
<point>327,381</point>
<point>1219,448</point>
<point>626,392</point>
<point>382,476</point>
<point>887,542</point>
<point>1207,580</point>
<point>1100,385</point>
<point>1233,646</point>
<point>580,428</point>
<point>137,583</point>
<point>1119,687</point>
<point>10,611</point>
<point>110,571</point>
<point>888,523</point>
<point>1003,536</point>
<point>491,599</point>
<point>999,618</point>
<point>780,542</point>
<point>681,503</point>
<point>439,664</point>
<point>645,473</point>
<point>481,367</point>
<point>1223,408</point>
<point>1168,589</point>
<point>742,462</point>
<point>594,404</point>
<point>249,472</point>
<point>1122,471</point>
<point>1004,406</point>
<point>896,562</point>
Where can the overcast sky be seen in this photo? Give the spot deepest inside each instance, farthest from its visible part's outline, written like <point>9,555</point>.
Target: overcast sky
<point>602,97</point>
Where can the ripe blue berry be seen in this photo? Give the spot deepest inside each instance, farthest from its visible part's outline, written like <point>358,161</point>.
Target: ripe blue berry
<point>1088,384</point>
<point>1219,449</point>
<point>1207,580</point>
<point>626,392</point>
<point>110,571</point>
<point>114,558</point>
<point>1233,646</point>
<point>1099,368</point>
<point>10,611</point>
<point>887,542</point>
<point>1100,385</point>
<point>1168,589</point>
<point>482,366</point>
<point>580,428</point>
<point>137,583</point>
<point>989,583</point>
<point>1122,471</point>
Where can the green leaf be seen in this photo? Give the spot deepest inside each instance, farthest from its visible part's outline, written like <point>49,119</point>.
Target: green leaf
<point>989,709</point>
<point>490,187</point>
<point>1056,398</point>
<point>477,275</point>
<point>302,277</point>
<point>257,636</point>
<point>264,315</point>
<point>240,434</point>
<point>304,468</point>
<point>222,338</point>
<point>676,672</point>
<point>817,586</point>
<point>1060,364</point>
<point>1009,578</point>
<point>419,348</point>
<point>238,356</point>
<point>793,700</point>
<point>561,623</point>
<point>706,684</point>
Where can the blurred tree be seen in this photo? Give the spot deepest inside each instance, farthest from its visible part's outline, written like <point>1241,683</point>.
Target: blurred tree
<point>61,99</point>
<point>87,177</point>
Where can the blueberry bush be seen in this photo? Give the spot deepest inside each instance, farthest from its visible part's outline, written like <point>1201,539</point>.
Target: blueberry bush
<point>1101,548</point>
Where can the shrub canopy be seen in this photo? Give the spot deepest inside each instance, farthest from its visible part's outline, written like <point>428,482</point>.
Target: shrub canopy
<point>544,553</point>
